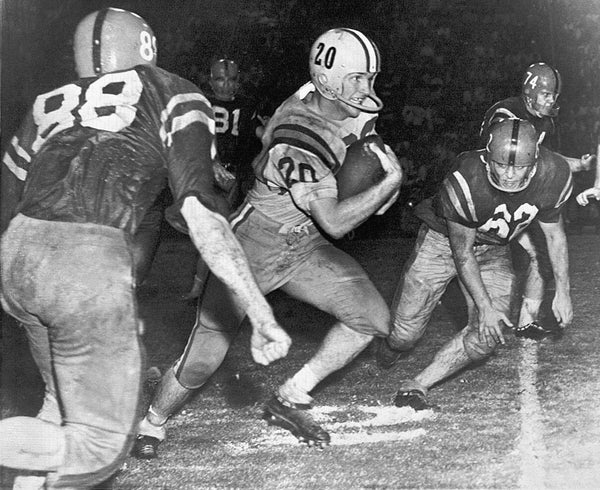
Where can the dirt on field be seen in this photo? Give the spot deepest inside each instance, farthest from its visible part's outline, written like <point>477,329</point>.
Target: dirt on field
<point>529,417</point>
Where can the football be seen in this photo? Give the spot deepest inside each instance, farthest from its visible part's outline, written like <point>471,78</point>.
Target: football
<point>361,168</point>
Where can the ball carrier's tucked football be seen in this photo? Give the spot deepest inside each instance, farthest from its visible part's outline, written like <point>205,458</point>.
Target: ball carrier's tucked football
<point>361,168</point>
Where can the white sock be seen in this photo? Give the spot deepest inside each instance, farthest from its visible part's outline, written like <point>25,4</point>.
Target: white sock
<point>297,388</point>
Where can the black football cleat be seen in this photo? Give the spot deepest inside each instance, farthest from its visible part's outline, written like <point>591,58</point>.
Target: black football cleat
<point>411,394</point>
<point>534,331</point>
<point>145,447</point>
<point>297,420</point>
<point>386,355</point>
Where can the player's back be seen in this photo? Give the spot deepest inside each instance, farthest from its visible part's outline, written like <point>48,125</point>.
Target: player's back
<point>100,146</point>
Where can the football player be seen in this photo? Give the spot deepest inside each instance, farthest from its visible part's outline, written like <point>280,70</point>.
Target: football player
<point>238,129</point>
<point>493,195</point>
<point>283,228</point>
<point>89,159</point>
<point>541,86</point>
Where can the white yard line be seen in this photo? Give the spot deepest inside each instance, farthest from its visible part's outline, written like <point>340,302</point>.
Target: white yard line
<point>382,425</point>
<point>531,449</point>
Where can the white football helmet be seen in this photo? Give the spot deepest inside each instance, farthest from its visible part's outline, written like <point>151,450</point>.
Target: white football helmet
<point>112,39</point>
<point>336,54</point>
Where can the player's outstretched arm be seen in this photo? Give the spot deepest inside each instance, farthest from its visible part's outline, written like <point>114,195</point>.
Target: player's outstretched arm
<point>491,320</point>
<point>593,192</point>
<point>556,240</point>
<point>221,251</point>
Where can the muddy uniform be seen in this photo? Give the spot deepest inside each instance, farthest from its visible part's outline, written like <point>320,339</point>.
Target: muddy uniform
<point>301,154</point>
<point>89,160</point>
<point>467,197</point>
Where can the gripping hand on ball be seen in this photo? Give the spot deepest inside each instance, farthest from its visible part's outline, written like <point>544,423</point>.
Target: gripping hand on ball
<point>391,166</point>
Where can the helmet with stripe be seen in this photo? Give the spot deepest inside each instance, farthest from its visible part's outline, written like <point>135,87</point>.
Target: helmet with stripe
<point>511,154</point>
<point>112,39</point>
<point>335,55</point>
<point>540,89</point>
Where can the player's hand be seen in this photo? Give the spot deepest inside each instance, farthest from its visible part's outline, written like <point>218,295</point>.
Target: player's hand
<point>389,163</point>
<point>224,177</point>
<point>592,193</point>
<point>586,161</point>
<point>562,309</point>
<point>269,342</point>
<point>491,324</point>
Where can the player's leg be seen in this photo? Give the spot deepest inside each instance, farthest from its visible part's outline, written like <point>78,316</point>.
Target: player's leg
<point>217,323</point>
<point>334,282</point>
<point>92,327</point>
<point>466,347</point>
<point>426,276</point>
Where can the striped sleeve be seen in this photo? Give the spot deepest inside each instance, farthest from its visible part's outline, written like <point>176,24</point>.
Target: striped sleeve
<point>182,111</point>
<point>456,200</point>
<point>301,137</point>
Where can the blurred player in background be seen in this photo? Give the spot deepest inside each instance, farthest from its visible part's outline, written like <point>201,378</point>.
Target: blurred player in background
<point>88,161</point>
<point>282,227</point>
<point>238,129</point>
<point>493,195</point>
<point>538,103</point>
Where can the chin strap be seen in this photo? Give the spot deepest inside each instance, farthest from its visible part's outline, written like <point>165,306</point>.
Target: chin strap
<point>372,96</point>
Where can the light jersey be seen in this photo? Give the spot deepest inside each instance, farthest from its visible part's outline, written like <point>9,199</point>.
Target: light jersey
<point>100,150</point>
<point>514,107</point>
<point>235,125</point>
<point>301,154</point>
<point>467,197</point>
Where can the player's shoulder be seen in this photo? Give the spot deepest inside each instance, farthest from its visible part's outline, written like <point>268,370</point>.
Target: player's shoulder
<point>167,83</point>
<point>511,107</point>
<point>552,165</point>
<point>468,173</point>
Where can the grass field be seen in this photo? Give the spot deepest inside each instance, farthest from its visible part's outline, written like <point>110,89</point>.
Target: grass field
<point>527,418</point>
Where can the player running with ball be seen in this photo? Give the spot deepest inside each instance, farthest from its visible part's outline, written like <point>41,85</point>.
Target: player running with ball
<point>279,227</point>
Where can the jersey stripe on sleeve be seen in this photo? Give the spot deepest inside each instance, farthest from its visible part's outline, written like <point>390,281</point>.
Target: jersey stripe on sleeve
<point>459,193</point>
<point>183,110</point>
<point>16,158</point>
<point>302,137</point>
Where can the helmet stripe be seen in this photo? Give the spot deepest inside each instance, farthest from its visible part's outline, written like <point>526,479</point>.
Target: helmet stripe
<point>558,82</point>
<point>370,49</point>
<point>97,40</point>
<point>514,140</point>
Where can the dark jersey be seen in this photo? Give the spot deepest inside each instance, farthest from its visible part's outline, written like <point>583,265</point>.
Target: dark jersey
<point>511,108</point>
<point>467,197</point>
<point>235,125</point>
<point>99,150</point>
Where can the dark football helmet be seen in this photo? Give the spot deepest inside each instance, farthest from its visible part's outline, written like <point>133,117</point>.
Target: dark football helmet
<point>512,154</point>
<point>540,89</point>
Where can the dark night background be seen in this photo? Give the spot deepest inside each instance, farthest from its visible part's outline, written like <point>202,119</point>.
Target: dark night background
<point>444,61</point>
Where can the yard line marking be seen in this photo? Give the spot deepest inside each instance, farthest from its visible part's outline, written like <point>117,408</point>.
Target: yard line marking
<point>281,437</point>
<point>531,448</point>
<point>353,432</point>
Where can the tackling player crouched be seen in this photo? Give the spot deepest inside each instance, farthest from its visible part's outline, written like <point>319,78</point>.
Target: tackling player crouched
<point>541,86</point>
<point>492,197</point>
<point>85,166</point>
<point>295,197</point>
